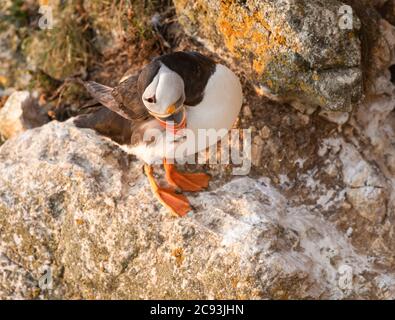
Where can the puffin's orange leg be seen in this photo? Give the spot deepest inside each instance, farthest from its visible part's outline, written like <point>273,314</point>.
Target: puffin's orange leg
<point>185,181</point>
<point>176,203</point>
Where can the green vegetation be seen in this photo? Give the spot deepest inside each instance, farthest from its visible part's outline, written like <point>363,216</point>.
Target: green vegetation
<point>16,14</point>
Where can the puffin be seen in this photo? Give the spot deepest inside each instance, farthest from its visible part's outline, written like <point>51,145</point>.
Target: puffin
<point>175,95</point>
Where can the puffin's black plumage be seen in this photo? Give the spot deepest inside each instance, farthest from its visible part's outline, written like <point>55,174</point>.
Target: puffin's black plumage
<point>194,69</point>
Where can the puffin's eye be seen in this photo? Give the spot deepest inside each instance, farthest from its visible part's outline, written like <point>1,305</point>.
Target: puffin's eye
<point>151,100</point>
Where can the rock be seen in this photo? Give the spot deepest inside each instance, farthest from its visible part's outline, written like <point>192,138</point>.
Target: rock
<point>384,50</point>
<point>75,207</point>
<point>20,112</point>
<point>265,132</point>
<point>256,150</point>
<point>366,187</point>
<point>375,121</point>
<point>247,113</point>
<point>339,118</point>
<point>294,50</point>
<point>369,201</point>
<point>11,114</point>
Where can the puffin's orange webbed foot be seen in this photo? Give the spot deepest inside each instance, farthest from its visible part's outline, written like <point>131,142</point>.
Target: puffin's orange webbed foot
<point>185,181</point>
<point>176,203</point>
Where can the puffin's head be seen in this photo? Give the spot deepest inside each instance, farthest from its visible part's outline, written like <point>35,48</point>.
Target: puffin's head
<point>162,90</point>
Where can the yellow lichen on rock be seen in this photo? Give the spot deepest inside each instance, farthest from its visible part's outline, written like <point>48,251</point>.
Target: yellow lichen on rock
<point>236,25</point>
<point>283,47</point>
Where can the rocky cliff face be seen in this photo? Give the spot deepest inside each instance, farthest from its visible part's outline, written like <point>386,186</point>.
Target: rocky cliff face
<point>294,50</point>
<point>315,218</point>
<point>73,202</point>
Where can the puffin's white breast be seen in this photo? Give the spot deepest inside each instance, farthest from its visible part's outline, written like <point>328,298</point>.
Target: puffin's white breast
<point>223,98</point>
<point>221,104</point>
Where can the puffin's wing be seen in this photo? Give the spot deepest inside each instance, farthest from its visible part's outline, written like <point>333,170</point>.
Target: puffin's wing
<point>103,94</point>
<point>127,94</point>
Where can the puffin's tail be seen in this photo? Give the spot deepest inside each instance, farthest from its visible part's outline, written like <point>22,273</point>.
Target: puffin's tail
<point>106,123</point>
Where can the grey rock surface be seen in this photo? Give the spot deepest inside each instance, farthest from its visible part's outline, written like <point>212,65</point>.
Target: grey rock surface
<point>74,203</point>
<point>20,112</point>
<point>11,114</point>
<point>296,51</point>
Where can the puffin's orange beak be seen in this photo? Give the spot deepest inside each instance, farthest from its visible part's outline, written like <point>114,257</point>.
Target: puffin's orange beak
<point>171,109</point>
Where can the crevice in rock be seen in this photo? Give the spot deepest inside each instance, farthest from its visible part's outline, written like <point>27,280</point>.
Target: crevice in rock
<point>392,70</point>
<point>365,186</point>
